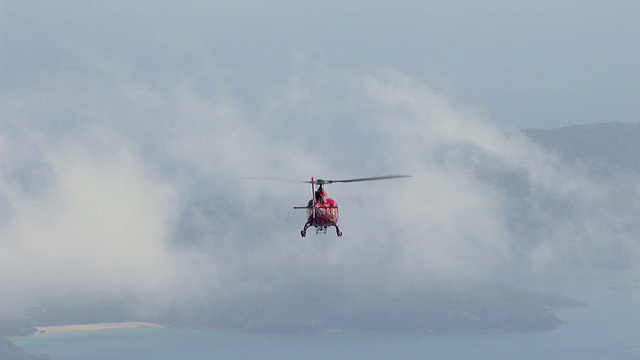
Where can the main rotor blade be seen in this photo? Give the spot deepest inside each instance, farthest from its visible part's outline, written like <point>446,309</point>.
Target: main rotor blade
<point>323,182</point>
<point>275,179</point>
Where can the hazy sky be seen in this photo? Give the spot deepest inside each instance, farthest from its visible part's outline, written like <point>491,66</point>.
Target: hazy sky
<point>526,64</point>
<point>126,126</point>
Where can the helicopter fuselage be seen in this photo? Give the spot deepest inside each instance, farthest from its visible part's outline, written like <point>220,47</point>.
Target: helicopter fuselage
<point>322,215</point>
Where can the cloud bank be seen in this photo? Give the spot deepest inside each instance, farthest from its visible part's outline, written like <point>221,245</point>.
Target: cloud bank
<point>117,191</point>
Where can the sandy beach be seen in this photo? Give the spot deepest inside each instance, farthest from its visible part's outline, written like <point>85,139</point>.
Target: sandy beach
<point>64,329</point>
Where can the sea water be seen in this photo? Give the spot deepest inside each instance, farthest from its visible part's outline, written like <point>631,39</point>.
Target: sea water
<point>580,339</point>
<point>608,328</point>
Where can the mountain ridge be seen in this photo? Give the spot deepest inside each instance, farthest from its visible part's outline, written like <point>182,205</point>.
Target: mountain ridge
<point>600,148</point>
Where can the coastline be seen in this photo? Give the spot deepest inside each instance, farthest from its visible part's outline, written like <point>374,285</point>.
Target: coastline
<point>66,329</point>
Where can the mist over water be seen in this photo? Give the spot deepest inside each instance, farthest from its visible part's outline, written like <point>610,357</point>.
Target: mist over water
<point>600,331</point>
<point>605,329</point>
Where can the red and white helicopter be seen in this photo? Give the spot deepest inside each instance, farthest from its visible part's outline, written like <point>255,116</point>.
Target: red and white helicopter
<point>322,211</point>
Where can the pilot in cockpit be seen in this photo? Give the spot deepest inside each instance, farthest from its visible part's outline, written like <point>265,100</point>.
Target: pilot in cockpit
<point>321,196</point>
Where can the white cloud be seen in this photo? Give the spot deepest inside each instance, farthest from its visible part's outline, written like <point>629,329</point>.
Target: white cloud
<point>101,227</point>
<point>142,192</point>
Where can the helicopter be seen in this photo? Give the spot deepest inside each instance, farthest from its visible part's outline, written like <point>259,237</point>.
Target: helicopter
<point>322,211</point>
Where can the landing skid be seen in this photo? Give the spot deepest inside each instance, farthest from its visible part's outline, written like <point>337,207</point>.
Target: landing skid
<point>320,229</point>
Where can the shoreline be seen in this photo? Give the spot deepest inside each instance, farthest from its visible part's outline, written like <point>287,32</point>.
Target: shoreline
<point>67,329</point>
